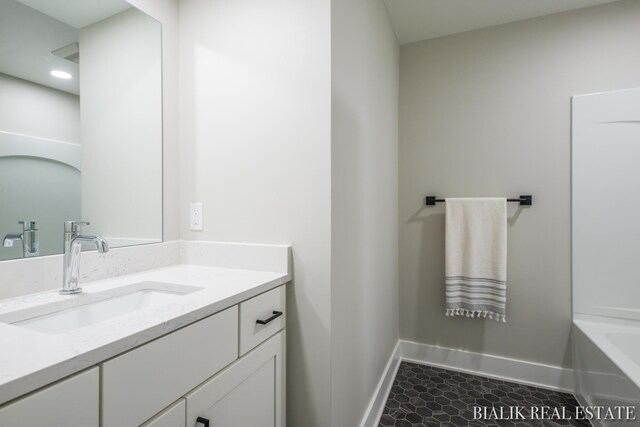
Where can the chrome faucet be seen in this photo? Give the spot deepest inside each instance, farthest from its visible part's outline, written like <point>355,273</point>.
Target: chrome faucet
<point>29,239</point>
<point>72,249</point>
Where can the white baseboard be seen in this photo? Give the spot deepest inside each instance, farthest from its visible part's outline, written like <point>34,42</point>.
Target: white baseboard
<point>503,368</point>
<point>374,410</point>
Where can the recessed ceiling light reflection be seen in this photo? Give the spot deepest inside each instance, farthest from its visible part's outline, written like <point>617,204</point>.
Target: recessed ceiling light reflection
<point>61,74</point>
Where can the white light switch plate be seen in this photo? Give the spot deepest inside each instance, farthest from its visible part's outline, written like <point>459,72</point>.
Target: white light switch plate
<point>196,217</point>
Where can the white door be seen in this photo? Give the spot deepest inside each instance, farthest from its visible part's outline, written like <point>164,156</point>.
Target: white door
<point>249,393</point>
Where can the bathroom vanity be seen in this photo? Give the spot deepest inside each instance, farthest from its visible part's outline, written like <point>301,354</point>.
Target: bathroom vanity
<point>184,345</point>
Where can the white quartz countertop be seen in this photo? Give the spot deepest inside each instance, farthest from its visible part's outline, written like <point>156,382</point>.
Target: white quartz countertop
<point>30,360</point>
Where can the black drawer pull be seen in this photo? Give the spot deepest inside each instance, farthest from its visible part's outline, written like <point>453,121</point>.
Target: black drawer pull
<point>203,421</point>
<point>276,314</point>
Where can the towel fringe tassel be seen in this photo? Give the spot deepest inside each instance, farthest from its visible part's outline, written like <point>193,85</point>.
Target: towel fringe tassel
<point>475,313</point>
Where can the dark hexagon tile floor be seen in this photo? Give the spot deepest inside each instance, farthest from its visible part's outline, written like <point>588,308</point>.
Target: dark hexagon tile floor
<point>425,396</point>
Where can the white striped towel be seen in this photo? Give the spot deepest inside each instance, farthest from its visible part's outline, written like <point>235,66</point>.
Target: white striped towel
<point>476,257</point>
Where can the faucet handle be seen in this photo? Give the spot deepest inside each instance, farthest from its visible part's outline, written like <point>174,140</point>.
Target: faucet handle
<point>74,226</point>
<point>30,225</point>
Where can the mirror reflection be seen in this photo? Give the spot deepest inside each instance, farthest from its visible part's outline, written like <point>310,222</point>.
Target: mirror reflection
<point>80,124</point>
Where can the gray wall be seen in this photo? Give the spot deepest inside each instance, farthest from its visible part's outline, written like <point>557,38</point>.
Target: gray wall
<point>28,108</point>
<point>487,113</point>
<point>255,148</point>
<point>364,203</point>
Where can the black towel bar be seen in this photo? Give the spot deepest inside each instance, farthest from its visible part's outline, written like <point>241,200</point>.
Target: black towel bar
<point>523,200</point>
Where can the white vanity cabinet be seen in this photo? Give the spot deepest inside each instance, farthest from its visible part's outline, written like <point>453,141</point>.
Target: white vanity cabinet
<point>74,401</point>
<point>226,370</point>
<point>204,370</point>
<point>249,393</point>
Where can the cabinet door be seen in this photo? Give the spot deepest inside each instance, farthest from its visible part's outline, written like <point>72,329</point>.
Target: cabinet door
<point>173,416</point>
<point>249,393</point>
<point>71,402</point>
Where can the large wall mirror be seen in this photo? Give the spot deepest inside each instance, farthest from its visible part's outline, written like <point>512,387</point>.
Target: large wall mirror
<point>80,123</point>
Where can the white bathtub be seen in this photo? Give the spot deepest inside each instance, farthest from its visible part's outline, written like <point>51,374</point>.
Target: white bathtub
<point>606,362</point>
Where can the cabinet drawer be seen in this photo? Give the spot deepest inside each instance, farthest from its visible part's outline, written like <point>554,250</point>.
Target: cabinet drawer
<point>261,308</point>
<point>173,416</point>
<point>73,401</point>
<point>140,383</point>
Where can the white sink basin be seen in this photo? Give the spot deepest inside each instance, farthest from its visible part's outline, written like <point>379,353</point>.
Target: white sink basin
<point>88,308</point>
